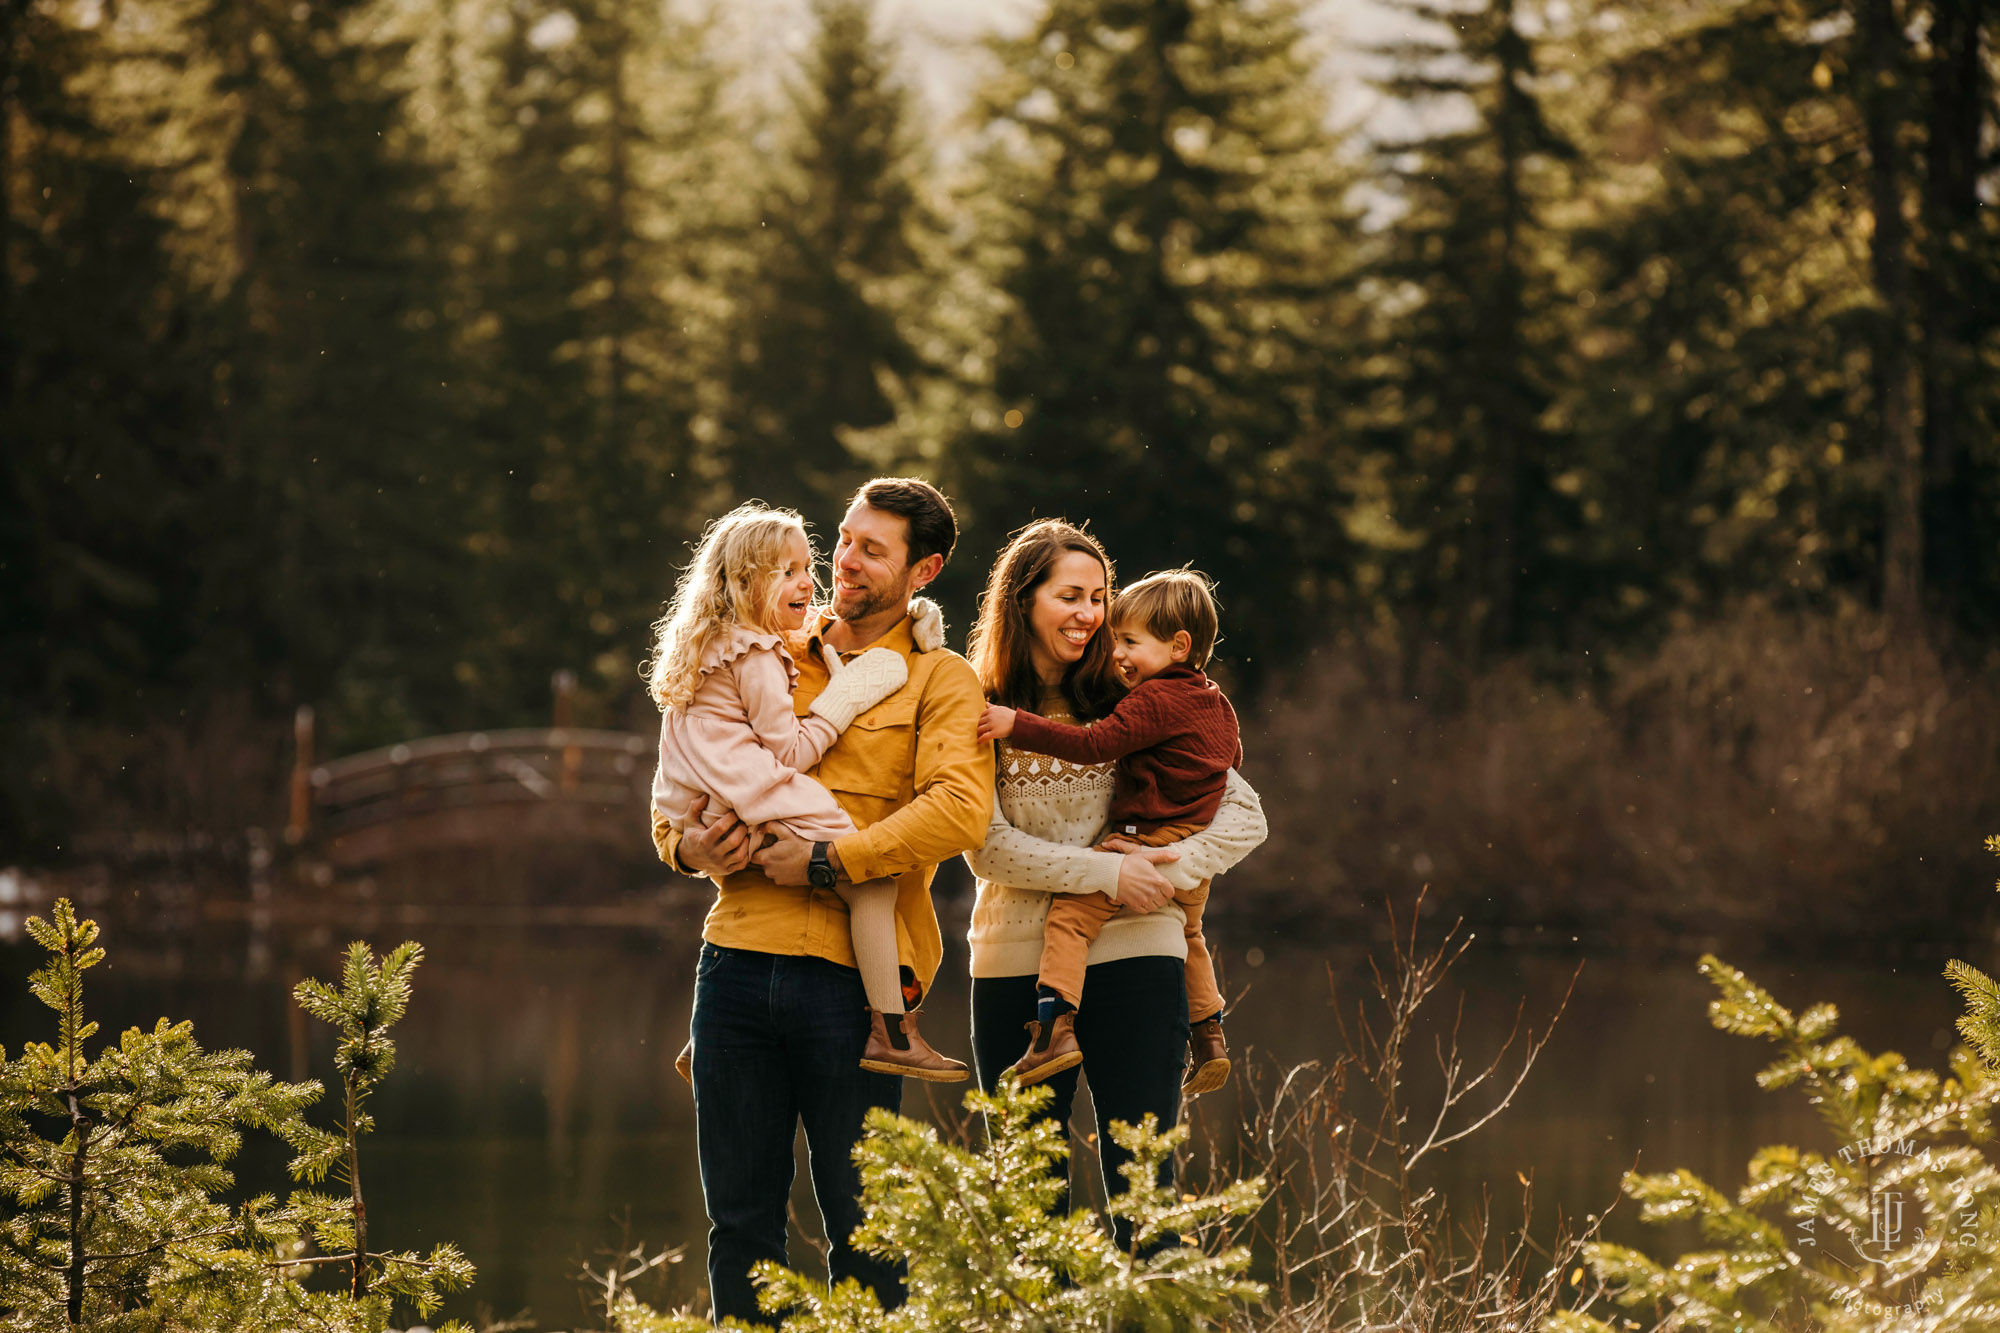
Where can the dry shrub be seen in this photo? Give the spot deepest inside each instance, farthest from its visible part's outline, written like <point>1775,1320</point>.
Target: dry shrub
<point>1770,774</point>
<point>1355,1233</point>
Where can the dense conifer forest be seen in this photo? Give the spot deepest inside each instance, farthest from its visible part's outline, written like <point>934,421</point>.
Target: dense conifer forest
<point>384,355</point>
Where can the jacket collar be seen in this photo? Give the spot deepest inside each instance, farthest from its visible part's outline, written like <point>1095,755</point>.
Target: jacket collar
<point>898,637</point>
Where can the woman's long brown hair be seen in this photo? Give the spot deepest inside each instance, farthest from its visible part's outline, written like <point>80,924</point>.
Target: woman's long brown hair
<point>999,644</point>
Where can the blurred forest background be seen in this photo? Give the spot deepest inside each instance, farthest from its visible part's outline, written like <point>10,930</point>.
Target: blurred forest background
<point>1602,478</point>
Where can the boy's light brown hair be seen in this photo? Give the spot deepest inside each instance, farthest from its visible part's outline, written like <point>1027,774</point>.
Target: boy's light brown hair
<point>1168,602</point>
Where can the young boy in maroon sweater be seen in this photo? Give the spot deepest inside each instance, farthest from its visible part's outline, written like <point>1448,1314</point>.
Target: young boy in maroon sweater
<point>1175,739</point>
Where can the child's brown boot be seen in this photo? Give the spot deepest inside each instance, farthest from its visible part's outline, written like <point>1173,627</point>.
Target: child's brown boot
<point>1051,1052</point>
<point>1208,1058</point>
<point>896,1047</point>
<point>684,1062</point>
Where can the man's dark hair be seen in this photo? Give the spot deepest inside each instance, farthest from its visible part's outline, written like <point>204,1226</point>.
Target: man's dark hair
<point>933,527</point>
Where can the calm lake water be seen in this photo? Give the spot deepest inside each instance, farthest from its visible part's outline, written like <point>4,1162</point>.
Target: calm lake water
<point>536,1120</point>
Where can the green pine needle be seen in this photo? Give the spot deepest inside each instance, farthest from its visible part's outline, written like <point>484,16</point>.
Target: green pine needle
<point>1980,1023</point>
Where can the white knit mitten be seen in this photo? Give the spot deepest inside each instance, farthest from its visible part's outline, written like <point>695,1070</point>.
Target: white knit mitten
<point>926,624</point>
<point>860,684</point>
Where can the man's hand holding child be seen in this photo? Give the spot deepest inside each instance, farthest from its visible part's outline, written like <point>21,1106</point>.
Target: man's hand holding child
<point>721,848</point>
<point>785,860</point>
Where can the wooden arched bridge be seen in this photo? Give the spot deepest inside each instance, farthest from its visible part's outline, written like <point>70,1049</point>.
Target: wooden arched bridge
<point>560,784</point>
<point>547,784</point>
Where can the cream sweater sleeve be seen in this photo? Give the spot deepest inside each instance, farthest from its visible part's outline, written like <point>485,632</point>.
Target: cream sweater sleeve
<point>1237,830</point>
<point>1036,865</point>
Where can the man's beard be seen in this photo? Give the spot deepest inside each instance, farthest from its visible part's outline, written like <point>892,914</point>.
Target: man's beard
<point>871,601</point>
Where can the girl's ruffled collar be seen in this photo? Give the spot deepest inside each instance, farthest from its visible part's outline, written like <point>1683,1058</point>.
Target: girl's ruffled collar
<point>742,640</point>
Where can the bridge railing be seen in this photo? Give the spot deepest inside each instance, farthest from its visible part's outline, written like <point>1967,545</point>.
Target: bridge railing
<point>534,765</point>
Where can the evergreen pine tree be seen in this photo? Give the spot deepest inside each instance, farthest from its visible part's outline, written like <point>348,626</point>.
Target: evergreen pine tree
<point>820,327</point>
<point>1890,1229</point>
<point>1765,381</point>
<point>988,1248</point>
<point>1480,472</point>
<point>337,449</point>
<point>608,220</point>
<point>1960,308</point>
<point>114,1168</point>
<point>1881,68</point>
<point>1171,235</point>
<point>1980,1024</point>
<point>372,998</point>
<point>101,408</point>
<point>1721,407</point>
<point>114,1162</point>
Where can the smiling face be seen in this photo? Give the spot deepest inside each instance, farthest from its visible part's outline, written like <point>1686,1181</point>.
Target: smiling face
<point>1140,655</point>
<point>872,573</point>
<point>791,594</point>
<point>1064,611</point>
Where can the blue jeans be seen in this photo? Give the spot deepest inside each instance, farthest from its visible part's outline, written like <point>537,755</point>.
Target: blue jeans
<point>777,1040</point>
<point>1133,1029</point>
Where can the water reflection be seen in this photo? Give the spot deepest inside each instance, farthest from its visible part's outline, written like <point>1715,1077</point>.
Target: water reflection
<point>535,1115</point>
<point>15,894</point>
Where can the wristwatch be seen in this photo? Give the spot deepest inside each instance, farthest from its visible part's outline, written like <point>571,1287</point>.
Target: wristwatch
<point>819,872</point>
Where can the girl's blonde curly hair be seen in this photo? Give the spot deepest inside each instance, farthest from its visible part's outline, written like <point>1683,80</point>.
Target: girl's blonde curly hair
<point>733,579</point>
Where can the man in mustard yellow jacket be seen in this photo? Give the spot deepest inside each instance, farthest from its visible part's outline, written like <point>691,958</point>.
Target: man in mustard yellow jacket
<point>780,1019</point>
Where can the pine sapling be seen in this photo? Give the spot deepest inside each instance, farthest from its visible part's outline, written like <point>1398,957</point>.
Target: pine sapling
<point>372,998</point>
<point>1894,1227</point>
<point>987,1247</point>
<point>1980,1023</point>
<point>111,1166</point>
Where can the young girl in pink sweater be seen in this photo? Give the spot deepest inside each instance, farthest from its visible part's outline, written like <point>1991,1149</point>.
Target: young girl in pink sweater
<point>722,673</point>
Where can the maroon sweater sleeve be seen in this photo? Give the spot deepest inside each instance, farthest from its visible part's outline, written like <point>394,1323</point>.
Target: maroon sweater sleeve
<point>1137,723</point>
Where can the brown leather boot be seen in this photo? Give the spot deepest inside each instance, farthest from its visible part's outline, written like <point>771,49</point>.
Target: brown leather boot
<point>684,1062</point>
<point>1208,1058</point>
<point>907,1053</point>
<point>1049,1053</point>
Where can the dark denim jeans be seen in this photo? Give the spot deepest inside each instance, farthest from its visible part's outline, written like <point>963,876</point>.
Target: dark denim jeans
<point>776,1042</point>
<point>1133,1028</point>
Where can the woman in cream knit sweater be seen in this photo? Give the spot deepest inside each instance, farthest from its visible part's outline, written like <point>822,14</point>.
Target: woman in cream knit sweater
<point>1041,644</point>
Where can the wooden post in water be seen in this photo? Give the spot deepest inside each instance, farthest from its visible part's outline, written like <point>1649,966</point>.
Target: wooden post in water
<point>259,844</point>
<point>563,683</point>
<point>299,822</point>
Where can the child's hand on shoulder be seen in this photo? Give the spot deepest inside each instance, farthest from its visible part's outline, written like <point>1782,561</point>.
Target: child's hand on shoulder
<point>996,722</point>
